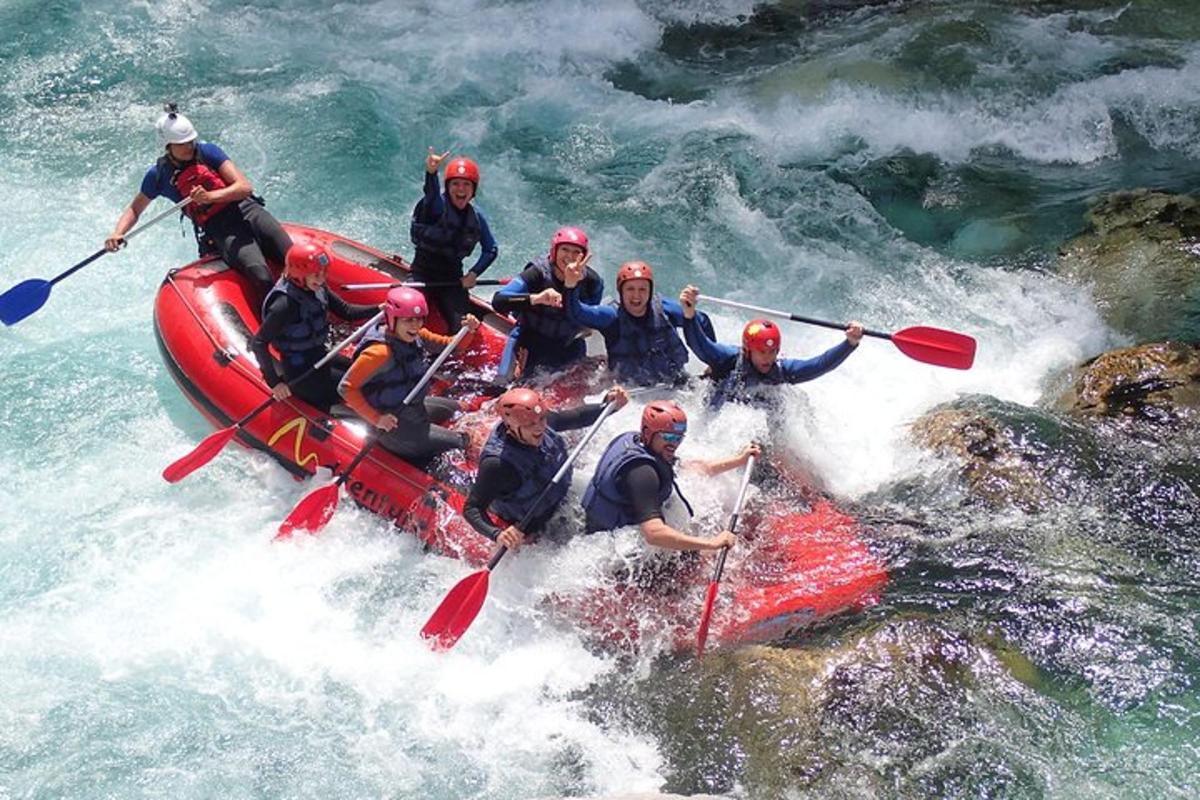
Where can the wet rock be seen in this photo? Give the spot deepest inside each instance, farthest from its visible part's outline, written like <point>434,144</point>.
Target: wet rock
<point>780,721</point>
<point>653,796</point>
<point>999,468</point>
<point>1141,256</point>
<point>1159,383</point>
<point>1128,448</point>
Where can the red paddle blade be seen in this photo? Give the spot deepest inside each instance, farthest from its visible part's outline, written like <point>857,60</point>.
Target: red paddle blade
<point>201,455</point>
<point>709,601</point>
<point>313,511</point>
<point>936,346</point>
<point>457,611</point>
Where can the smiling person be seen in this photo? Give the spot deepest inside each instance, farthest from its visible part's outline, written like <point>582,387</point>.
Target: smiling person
<point>636,475</point>
<point>295,319</point>
<point>387,365</point>
<point>229,220</point>
<point>519,460</point>
<point>745,374</point>
<point>638,328</point>
<point>545,337</point>
<point>446,226</point>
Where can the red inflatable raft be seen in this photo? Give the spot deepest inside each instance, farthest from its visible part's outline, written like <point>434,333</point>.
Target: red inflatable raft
<point>805,567</point>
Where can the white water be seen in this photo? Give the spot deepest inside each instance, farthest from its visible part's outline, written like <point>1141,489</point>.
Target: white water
<point>155,643</point>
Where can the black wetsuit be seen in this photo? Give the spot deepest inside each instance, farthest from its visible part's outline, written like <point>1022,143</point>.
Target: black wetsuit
<point>497,478</point>
<point>320,388</point>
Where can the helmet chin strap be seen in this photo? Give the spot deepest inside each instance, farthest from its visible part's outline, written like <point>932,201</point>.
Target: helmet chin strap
<point>193,160</point>
<point>520,436</point>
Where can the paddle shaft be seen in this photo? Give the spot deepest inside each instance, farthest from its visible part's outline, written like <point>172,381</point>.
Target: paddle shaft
<point>461,605</point>
<point>710,597</point>
<point>351,287</point>
<point>637,391</point>
<point>128,235</point>
<point>608,409</point>
<point>412,394</point>
<point>733,518</point>
<point>771,312</point>
<point>332,354</point>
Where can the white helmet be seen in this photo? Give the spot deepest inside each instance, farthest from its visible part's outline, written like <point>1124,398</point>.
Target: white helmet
<point>174,128</point>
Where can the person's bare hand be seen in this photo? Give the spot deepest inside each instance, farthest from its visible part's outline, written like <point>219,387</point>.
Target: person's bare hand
<point>511,537</point>
<point>547,297</point>
<point>433,160</point>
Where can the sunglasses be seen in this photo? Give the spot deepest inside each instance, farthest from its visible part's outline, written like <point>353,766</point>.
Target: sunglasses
<point>672,438</point>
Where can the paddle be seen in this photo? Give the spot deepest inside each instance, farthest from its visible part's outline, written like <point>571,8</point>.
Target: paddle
<point>28,296</point>
<point>931,345</point>
<point>635,392</point>
<point>216,441</point>
<point>316,508</point>
<point>350,287</point>
<point>711,598</point>
<point>461,604</point>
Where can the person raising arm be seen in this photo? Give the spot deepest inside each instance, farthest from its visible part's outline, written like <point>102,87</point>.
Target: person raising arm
<point>740,375</point>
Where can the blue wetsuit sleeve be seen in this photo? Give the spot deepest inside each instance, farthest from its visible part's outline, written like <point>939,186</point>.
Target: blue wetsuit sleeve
<point>513,297</point>
<point>674,311</point>
<point>149,185</point>
<point>589,315</point>
<point>212,155</point>
<point>798,370</point>
<point>430,207</point>
<point>716,355</point>
<point>487,244</point>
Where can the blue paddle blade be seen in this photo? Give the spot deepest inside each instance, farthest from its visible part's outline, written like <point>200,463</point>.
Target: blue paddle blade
<point>23,299</point>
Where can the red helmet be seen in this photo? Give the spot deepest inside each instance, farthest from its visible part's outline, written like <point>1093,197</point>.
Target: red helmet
<point>521,407</point>
<point>761,336</point>
<point>632,270</point>
<point>663,416</point>
<point>567,235</point>
<point>404,302</point>
<point>463,168</point>
<point>304,259</point>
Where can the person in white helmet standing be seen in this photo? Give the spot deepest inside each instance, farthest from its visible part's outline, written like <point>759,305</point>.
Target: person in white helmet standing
<point>229,219</point>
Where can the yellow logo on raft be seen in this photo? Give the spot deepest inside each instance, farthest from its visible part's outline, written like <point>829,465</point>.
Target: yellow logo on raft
<point>299,424</point>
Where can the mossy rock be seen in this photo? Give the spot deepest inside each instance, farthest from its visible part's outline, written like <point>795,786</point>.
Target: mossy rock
<point>997,469</point>
<point>1141,256</point>
<point>1157,382</point>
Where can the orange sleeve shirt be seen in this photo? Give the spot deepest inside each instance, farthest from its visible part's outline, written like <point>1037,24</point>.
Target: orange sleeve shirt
<point>369,362</point>
<point>441,340</point>
<point>375,358</point>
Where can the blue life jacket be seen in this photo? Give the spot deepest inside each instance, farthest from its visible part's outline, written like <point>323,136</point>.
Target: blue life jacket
<point>645,350</point>
<point>605,501</point>
<point>536,466</point>
<point>742,383</point>
<point>310,331</point>
<point>452,236</point>
<point>547,322</point>
<point>388,387</point>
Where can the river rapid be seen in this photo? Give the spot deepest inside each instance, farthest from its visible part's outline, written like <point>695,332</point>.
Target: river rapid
<point>903,163</point>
